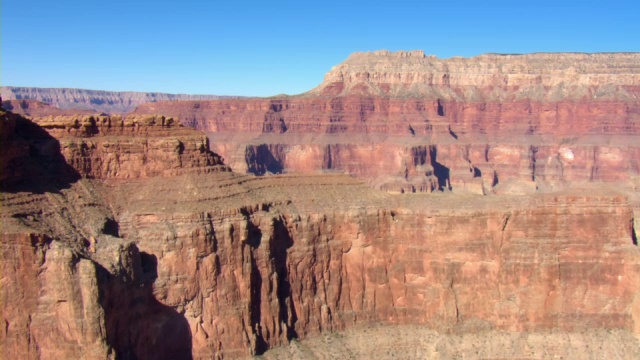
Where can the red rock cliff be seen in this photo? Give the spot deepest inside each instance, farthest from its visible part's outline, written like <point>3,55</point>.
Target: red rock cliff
<point>144,250</point>
<point>71,286</point>
<point>541,106</point>
<point>262,274</point>
<point>124,147</point>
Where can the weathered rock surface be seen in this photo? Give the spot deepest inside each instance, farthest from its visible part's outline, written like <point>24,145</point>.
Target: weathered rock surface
<point>353,114</point>
<point>246,279</point>
<point>219,264</point>
<point>71,286</point>
<point>109,102</point>
<point>341,255</point>
<point>125,237</point>
<point>243,264</point>
<point>124,147</point>
<point>543,118</point>
<point>29,152</point>
<point>397,164</point>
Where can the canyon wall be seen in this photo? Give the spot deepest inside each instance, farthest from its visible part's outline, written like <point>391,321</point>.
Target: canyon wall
<point>261,275</point>
<point>71,286</point>
<point>127,237</point>
<point>543,118</point>
<point>34,108</point>
<point>351,114</point>
<point>124,147</point>
<point>395,165</point>
<point>499,78</point>
<point>161,263</point>
<point>94,100</point>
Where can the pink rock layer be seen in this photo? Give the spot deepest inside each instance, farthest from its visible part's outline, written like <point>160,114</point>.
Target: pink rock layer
<point>413,116</point>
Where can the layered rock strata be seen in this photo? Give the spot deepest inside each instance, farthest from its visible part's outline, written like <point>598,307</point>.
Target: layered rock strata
<point>546,115</point>
<point>271,271</point>
<point>109,102</point>
<point>397,164</point>
<point>71,286</point>
<point>125,147</point>
<point>212,264</point>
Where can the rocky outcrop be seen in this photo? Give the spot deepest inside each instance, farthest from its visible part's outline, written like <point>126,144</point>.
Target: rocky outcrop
<point>547,115</point>
<point>73,289</point>
<point>126,147</point>
<point>109,102</point>
<point>50,300</point>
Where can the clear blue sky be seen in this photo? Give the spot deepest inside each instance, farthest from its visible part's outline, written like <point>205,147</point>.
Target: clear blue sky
<point>264,48</point>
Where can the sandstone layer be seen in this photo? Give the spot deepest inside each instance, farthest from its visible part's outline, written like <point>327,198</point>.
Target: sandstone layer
<point>109,102</point>
<point>536,121</point>
<point>152,250</point>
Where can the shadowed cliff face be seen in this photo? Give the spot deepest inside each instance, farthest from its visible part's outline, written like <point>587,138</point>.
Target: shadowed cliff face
<point>71,286</point>
<point>343,256</point>
<point>137,325</point>
<point>31,159</point>
<point>129,147</point>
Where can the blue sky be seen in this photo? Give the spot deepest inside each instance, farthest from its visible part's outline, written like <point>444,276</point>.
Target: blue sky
<point>262,48</point>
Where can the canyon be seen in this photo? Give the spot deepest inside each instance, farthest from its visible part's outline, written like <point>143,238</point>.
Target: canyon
<point>407,122</point>
<point>110,102</point>
<point>484,208</point>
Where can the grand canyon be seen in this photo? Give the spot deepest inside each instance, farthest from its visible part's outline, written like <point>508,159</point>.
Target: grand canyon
<point>407,207</point>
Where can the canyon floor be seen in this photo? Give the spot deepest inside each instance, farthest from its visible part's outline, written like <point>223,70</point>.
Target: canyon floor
<point>415,342</point>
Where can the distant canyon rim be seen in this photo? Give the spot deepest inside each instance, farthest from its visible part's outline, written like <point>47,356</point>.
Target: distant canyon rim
<point>480,207</point>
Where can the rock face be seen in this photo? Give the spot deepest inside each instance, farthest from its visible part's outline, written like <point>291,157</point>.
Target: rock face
<point>126,237</point>
<point>545,77</point>
<point>129,147</point>
<point>181,261</point>
<point>72,286</point>
<point>264,274</point>
<point>545,119</point>
<point>94,100</point>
